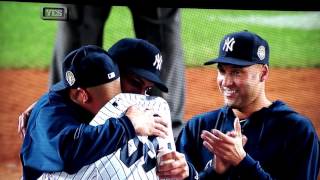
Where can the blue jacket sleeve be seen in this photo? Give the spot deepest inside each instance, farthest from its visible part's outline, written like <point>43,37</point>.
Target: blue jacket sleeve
<point>190,144</point>
<point>58,142</point>
<point>301,154</point>
<point>184,143</point>
<point>86,144</point>
<point>302,149</point>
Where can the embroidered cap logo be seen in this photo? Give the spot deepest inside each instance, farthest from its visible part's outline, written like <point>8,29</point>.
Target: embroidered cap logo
<point>111,75</point>
<point>158,61</point>
<point>261,52</point>
<point>70,78</point>
<point>228,44</point>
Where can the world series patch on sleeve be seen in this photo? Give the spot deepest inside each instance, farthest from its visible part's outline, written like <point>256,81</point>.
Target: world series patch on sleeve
<point>138,158</point>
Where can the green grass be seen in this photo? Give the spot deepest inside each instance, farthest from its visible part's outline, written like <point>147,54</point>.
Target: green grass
<point>27,41</point>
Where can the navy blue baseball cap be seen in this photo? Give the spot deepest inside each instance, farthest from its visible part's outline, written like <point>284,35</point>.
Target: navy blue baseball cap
<point>243,49</point>
<point>87,66</point>
<point>139,57</point>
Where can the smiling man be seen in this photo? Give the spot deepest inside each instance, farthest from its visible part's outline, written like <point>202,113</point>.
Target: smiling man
<point>281,143</point>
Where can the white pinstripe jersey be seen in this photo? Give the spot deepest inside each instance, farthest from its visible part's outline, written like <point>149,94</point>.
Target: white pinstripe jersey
<point>136,159</point>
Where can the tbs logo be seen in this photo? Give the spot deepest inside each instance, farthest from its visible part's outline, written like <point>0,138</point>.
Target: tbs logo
<point>54,13</point>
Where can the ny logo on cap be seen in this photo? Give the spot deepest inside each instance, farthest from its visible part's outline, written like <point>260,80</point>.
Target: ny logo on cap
<point>228,44</point>
<point>158,61</point>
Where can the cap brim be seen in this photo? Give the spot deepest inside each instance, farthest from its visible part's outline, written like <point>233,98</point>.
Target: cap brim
<point>229,60</point>
<point>151,77</point>
<point>59,86</point>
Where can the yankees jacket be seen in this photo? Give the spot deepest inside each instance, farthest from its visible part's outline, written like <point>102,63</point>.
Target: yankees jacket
<point>58,137</point>
<point>281,145</point>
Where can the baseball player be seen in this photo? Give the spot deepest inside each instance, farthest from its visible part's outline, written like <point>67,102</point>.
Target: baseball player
<point>139,62</point>
<point>135,160</point>
<point>144,73</point>
<point>58,136</point>
<point>281,143</point>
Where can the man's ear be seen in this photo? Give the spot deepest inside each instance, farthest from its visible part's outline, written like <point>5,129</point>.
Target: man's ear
<point>264,73</point>
<point>79,96</point>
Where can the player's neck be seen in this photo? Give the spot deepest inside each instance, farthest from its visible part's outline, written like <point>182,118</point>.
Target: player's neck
<point>246,111</point>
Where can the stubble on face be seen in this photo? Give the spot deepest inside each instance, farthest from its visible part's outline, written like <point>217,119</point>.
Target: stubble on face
<point>242,86</point>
